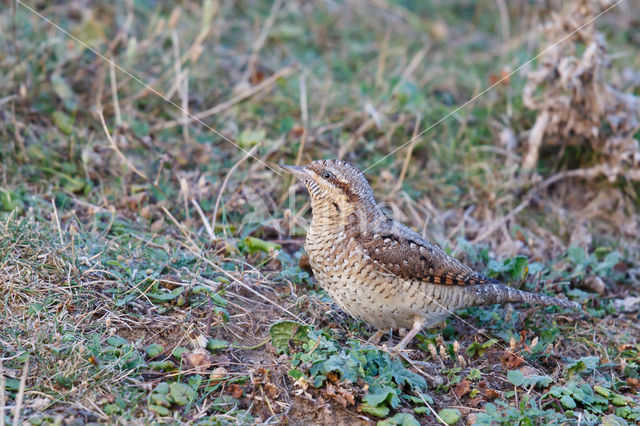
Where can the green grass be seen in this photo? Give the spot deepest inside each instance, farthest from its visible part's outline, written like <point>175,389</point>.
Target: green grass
<point>125,307</point>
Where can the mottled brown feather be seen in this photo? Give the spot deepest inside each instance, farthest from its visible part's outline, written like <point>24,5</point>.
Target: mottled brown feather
<point>415,259</point>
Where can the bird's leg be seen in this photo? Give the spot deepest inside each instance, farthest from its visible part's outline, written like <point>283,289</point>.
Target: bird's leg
<point>418,325</point>
<point>375,338</point>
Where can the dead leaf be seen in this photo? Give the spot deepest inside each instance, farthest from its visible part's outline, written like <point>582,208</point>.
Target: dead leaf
<point>218,373</point>
<point>462,388</point>
<point>512,360</point>
<point>333,377</point>
<point>491,394</point>
<point>576,101</point>
<point>593,284</point>
<point>235,390</point>
<point>272,390</point>
<point>158,225</point>
<point>200,359</point>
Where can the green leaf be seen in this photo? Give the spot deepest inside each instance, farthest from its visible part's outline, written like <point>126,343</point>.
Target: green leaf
<point>64,92</point>
<point>295,373</point>
<point>608,263</point>
<point>584,364</point>
<point>247,138</point>
<point>619,400</point>
<point>159,410</point>
<point>117,341</point>
<point>284,332</point>
<point>611,420</point>
<point>519,267</point>
<point>474,374</point>
<point>602,391</point>
<point>375,411</point>
<point>62,122</point>
<point>216,344</point>
<point>577,255</point>
<point>181,393</point>
<point>254,245</point>
<point>348,367</point>
<point>160,399</point>
<point>162,388</point>
<point>379,394</point>
<point>153,350</point>
<point>166,296</point>
<point>403,376</point>
<point>178,351</point>
<point>403,419</point>
<point>450,416</point>
<point>140,128</point>
<point>568,402</point>
<point>161,365</point>
<point>519,379</point>
<point>477,348</point>
<point>12,384</point>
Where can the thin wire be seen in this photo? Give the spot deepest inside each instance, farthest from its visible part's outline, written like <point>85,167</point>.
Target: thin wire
<point>455,111</point>
<point>147,86</point>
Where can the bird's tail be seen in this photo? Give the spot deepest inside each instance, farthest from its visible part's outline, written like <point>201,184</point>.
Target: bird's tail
<point>487,294</point>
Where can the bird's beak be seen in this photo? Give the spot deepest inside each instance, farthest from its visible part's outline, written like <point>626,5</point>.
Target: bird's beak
<point>297,171</point>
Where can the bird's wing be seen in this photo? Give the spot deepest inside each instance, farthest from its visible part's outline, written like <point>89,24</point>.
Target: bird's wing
<point>404,253</point>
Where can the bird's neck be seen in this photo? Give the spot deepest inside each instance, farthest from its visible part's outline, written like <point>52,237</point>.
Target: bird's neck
<point>338,216</point>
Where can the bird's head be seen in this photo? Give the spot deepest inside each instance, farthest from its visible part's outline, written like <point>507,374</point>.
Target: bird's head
<point>335,186</point>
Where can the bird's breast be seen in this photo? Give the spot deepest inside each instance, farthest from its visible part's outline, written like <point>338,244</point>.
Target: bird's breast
<point>354,282</point>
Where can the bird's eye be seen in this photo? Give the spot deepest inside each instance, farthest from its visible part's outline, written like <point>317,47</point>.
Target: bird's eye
<point>327,175</point>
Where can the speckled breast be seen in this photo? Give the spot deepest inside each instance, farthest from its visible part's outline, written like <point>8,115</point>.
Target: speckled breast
<point>358,285</point>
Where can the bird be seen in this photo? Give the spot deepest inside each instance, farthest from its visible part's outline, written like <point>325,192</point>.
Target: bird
<point>381,271</point>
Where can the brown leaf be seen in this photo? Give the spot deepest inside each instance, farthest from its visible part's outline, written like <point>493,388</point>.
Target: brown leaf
<point>634,383</point>
<point>593,284</point>
<point>491,394</point>
<point>297,131</point>
<point>462,388</point>
<point>158,225</point>
<point>218,373</point>
<point>475,402</point>
<point>502,78</point>
<point>235,390</point>
<point>272,390</point>
<point>303,263</point>
<point>621,266</point>
<point>200,359</point>
<point>511,360</point>
<point>348,395</point>
<point>333,377</point>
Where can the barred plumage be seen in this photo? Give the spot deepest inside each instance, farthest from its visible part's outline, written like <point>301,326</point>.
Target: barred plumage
<point>379,270</point>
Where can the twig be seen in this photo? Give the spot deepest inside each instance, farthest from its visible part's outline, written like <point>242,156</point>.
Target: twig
<point>268,82</point>
<point>407,157</point>
<point>55,214</point>
<point>224,185</point>
<point>2,386</point>
<point>589,173</point>
<point>431,409</point>
<point>114,94</point>
<point>116,149</point>
<point>203,217</point>
<point>355,136</point>
<point>245,286</point>
<point>20,395</point>
<point>262,37</point>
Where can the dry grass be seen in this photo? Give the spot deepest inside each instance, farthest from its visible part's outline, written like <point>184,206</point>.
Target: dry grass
<point>128,222</point>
